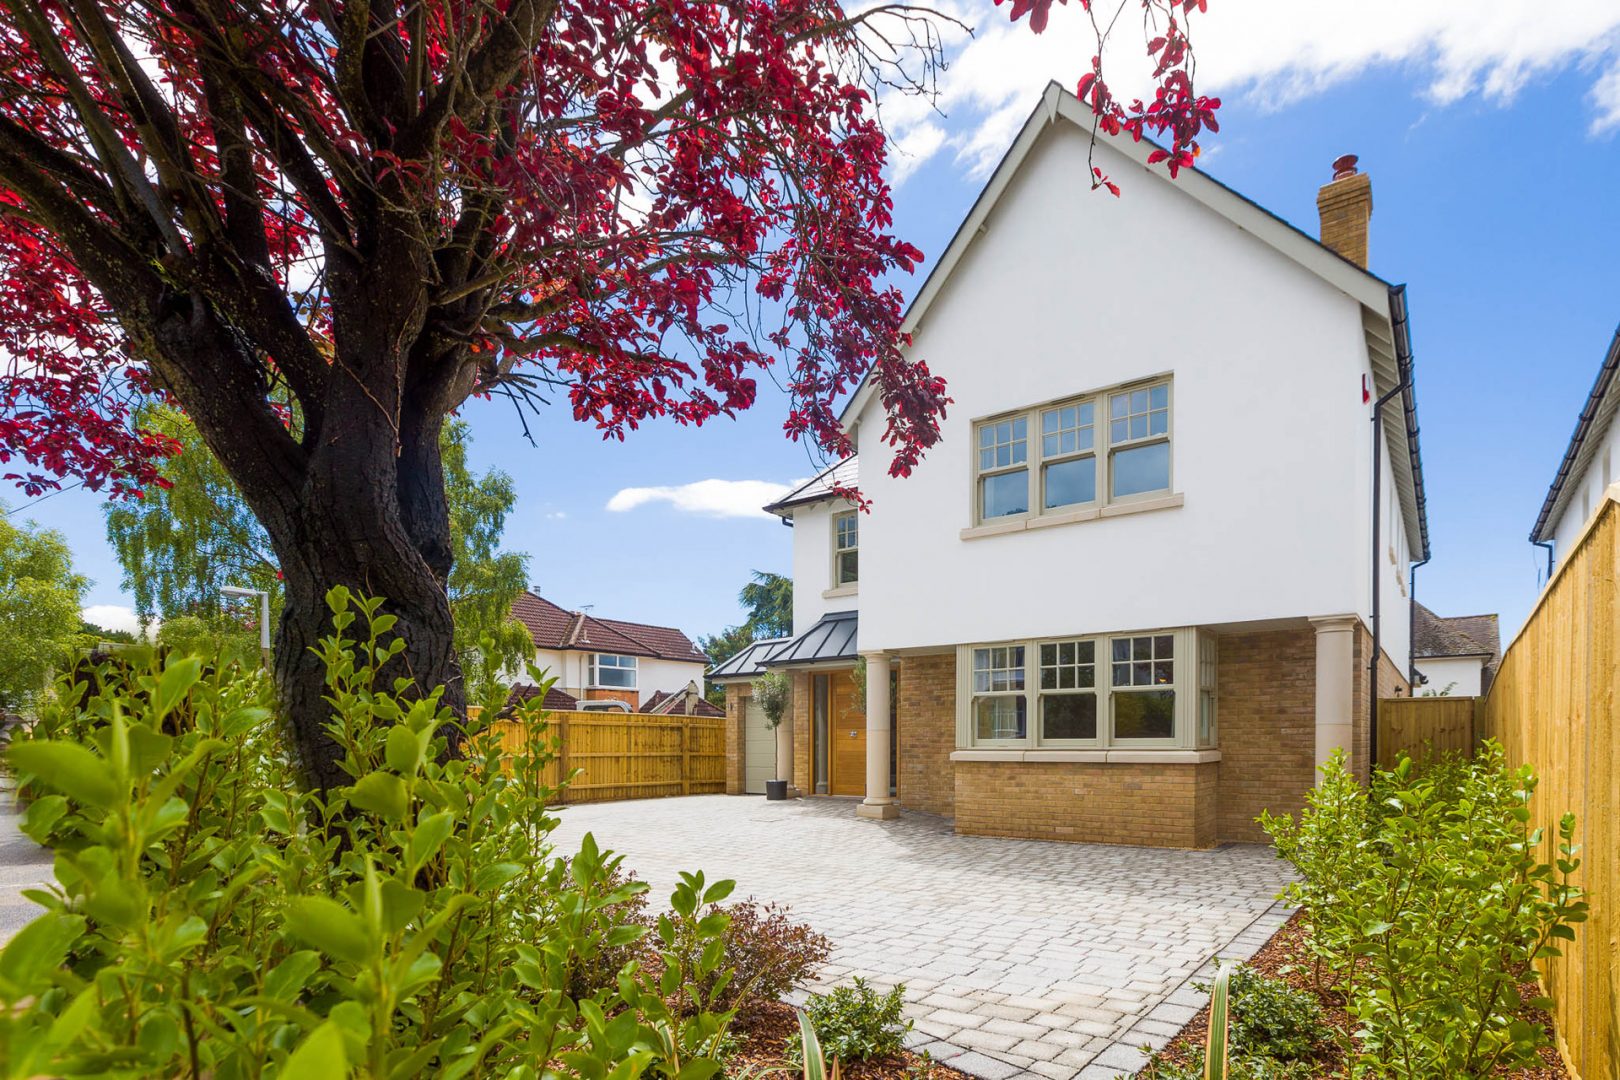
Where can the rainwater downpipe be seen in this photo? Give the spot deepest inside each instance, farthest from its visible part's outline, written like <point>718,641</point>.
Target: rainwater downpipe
<point>1548,544</point>
<point>1412,675</point>
<point>1377,560</point>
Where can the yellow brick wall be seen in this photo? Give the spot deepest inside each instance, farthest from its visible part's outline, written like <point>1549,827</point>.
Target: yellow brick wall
<point>1152,805</point>
<point>801,733</point>
<point>737,695</point>
<point>1266,711</point>
<point>925,711</point>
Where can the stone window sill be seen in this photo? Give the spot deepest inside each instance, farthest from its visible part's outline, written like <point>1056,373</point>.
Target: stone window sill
<point>1047,521</point>
<point>841,590</point>
<point>1093,757</point>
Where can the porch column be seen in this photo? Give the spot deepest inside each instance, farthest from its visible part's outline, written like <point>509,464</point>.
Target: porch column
<point>879,734</point>
<point>1335,684</point>
<point>784,753</point>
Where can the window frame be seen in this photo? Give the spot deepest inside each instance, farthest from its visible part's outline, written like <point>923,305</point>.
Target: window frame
<point>1195,658</point>
<point>593,669</point>
<point>836,576</point>
<point>1101,452</point>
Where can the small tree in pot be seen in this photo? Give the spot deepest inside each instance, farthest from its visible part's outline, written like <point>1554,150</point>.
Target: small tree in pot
<point>773,693</point>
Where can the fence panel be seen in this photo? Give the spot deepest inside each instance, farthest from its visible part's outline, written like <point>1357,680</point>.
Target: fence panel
<point>628,755</point>
<point>1421,727</point>
<point>1552,706</point>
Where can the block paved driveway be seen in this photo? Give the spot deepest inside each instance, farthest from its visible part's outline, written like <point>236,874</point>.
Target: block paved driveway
<point>1020,958</point>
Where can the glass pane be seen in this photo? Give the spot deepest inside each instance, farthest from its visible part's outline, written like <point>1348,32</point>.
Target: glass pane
<point>1119,405</point>
<point>1065,652</point>
<point>987,436</point>
<point>1142,469</point>
<point>1071,482</point>
<point>1005,493</point>
<point>1159,423</point>
<point>1049,654</point>
<point>1139,401</point>
<point>1122,674</point>
<point>848,568</point>
<point>1206,719</point>
<point>1164,646</point>
<point>1069,716</point>
<point>1049,446</point>
<point>1118,433</point>
<point>1003,455</point>
<point>1049,678</point>
<point>1142,648</point>
<point>1141,673</point>
<point>999,717</point>
<point>987,459</point>
<point>1145,715</point>
<point>1065,678</point>
<point>1088,651</point>
<point>1087,677</point>
<point>1139,426</point>
<point>1020,429</point>
<point>1161,397</point>
<point>1162,673</point>
<point>1122,648</point>
<point>1085,439</point>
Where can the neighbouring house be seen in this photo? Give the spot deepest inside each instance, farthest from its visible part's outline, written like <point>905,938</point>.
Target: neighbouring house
<point>1133,594</point>
<point>1588,466</point>
<point>595,659</point>
<point>1455,656</point>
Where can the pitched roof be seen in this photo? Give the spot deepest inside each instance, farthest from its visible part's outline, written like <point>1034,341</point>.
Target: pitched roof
<point>1596,416</point>
<point>843,474</point>
<point>746,663</point>
<point>675,705</point>
<point>553,627</point>
<point>555,699</point>
<point>1459,635</point>
<point>1383,305</point>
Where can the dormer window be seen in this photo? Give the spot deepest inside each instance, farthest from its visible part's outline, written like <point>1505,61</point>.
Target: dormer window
<point>1086,453</point>
<point>846,548</point>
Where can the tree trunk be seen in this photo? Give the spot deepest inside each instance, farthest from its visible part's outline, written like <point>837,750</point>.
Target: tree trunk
<point>353,535</point>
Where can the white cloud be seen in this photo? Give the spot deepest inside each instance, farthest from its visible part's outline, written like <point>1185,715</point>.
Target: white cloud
<point>705,498</point>
<point>113,617</point>
<point>1271,53</point>
<point>556,515</point>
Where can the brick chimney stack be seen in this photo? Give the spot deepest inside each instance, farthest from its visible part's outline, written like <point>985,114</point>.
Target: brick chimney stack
<point>1345,204</point>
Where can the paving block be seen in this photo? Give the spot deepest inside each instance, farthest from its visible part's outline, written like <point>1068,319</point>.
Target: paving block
<point>987,1068</point>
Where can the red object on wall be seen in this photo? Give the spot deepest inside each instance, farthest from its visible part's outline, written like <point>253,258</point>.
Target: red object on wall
<point>1366,392</point>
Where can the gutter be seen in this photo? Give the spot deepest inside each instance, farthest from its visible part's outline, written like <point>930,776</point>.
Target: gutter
<point>1403,388</point>
<point>1577,439</point>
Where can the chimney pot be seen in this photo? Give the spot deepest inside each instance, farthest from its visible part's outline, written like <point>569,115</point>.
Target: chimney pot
<point>1344,166</point>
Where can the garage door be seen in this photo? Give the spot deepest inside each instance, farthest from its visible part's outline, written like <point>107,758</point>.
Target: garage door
<point>759,750</point>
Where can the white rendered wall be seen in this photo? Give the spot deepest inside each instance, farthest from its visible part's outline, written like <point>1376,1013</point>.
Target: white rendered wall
<point>1586,493</point>
<point>1462,674</point>
<point>1067,291</point>
<point>812,563</point>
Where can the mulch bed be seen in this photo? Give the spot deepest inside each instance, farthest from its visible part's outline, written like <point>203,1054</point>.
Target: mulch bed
<point>763,1034</point>
<point>1285,957</point>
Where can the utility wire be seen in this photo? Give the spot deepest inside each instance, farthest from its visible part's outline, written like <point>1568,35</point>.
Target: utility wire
<point>42,498</point>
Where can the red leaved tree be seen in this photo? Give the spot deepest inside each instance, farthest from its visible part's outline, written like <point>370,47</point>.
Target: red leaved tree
<point>378,209</point>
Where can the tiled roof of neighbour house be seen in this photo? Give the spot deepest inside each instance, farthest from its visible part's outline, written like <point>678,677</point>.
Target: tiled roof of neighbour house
<point>831,640</point>
<point>555,699</point>
<point>553,627</point>
<point>675,705</point>
<point>844,474</point>
<point>1596,416</point>
<point>746,663</point>
<point>1461,635</point>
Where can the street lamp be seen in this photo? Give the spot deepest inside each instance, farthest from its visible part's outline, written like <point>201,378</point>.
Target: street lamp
<point>237,593</point>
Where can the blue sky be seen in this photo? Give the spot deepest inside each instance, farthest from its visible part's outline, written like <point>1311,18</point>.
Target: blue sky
<point>1495,160</point>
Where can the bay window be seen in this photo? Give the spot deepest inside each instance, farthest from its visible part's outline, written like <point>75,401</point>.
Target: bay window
<point>1139,691</point>
<point>1085,453</point>
<point>612,671</point>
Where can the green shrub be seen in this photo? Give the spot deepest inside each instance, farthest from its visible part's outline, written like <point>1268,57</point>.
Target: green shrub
<point>1239,1067</point>
<point>855,1023</point>
<point>209,918</point>
<point>1271,1018</point>
<point>1426,915</point>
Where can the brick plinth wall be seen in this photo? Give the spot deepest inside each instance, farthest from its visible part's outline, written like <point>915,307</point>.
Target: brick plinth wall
<point>925,708</point>
<point>1266,709</point>
<point>737,695</point>
<point>802,703</point>
<point>1151,805</point>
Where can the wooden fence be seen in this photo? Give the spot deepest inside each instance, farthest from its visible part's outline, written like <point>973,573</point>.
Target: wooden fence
<point>628,755</point>
<point>1552,706</point>
<point>1423,727</point>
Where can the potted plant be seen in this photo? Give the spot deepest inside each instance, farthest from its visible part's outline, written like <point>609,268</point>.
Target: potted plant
<point>773,693</point>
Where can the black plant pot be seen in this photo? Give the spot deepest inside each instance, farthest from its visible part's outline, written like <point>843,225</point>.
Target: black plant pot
<point>775,790</point>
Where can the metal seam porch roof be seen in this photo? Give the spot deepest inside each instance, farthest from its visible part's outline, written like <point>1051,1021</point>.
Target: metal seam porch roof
<point>831,640</point>
<point>745,664</point>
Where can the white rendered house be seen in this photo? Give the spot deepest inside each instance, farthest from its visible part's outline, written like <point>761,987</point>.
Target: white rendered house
<point>1132,594</point>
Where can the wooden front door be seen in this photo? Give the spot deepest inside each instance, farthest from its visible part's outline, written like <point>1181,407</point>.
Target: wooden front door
<point>846,731</point>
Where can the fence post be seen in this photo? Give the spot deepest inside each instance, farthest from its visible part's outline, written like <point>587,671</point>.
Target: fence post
<point>562,756</point>
<point>686,760</point>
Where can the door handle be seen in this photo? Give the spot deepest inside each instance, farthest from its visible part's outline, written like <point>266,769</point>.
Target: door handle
<point>852,733</point>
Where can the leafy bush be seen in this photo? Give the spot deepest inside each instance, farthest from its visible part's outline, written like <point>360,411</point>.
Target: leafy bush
<point>767,954</point>
<point>1271,1018</point>
<point>854,1023</point>
<point>1240,1067</point>
<point>1426,917</point>
<point>209,918</point>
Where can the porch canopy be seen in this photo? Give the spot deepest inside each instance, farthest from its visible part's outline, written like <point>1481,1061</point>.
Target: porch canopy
<point>832,640</point>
